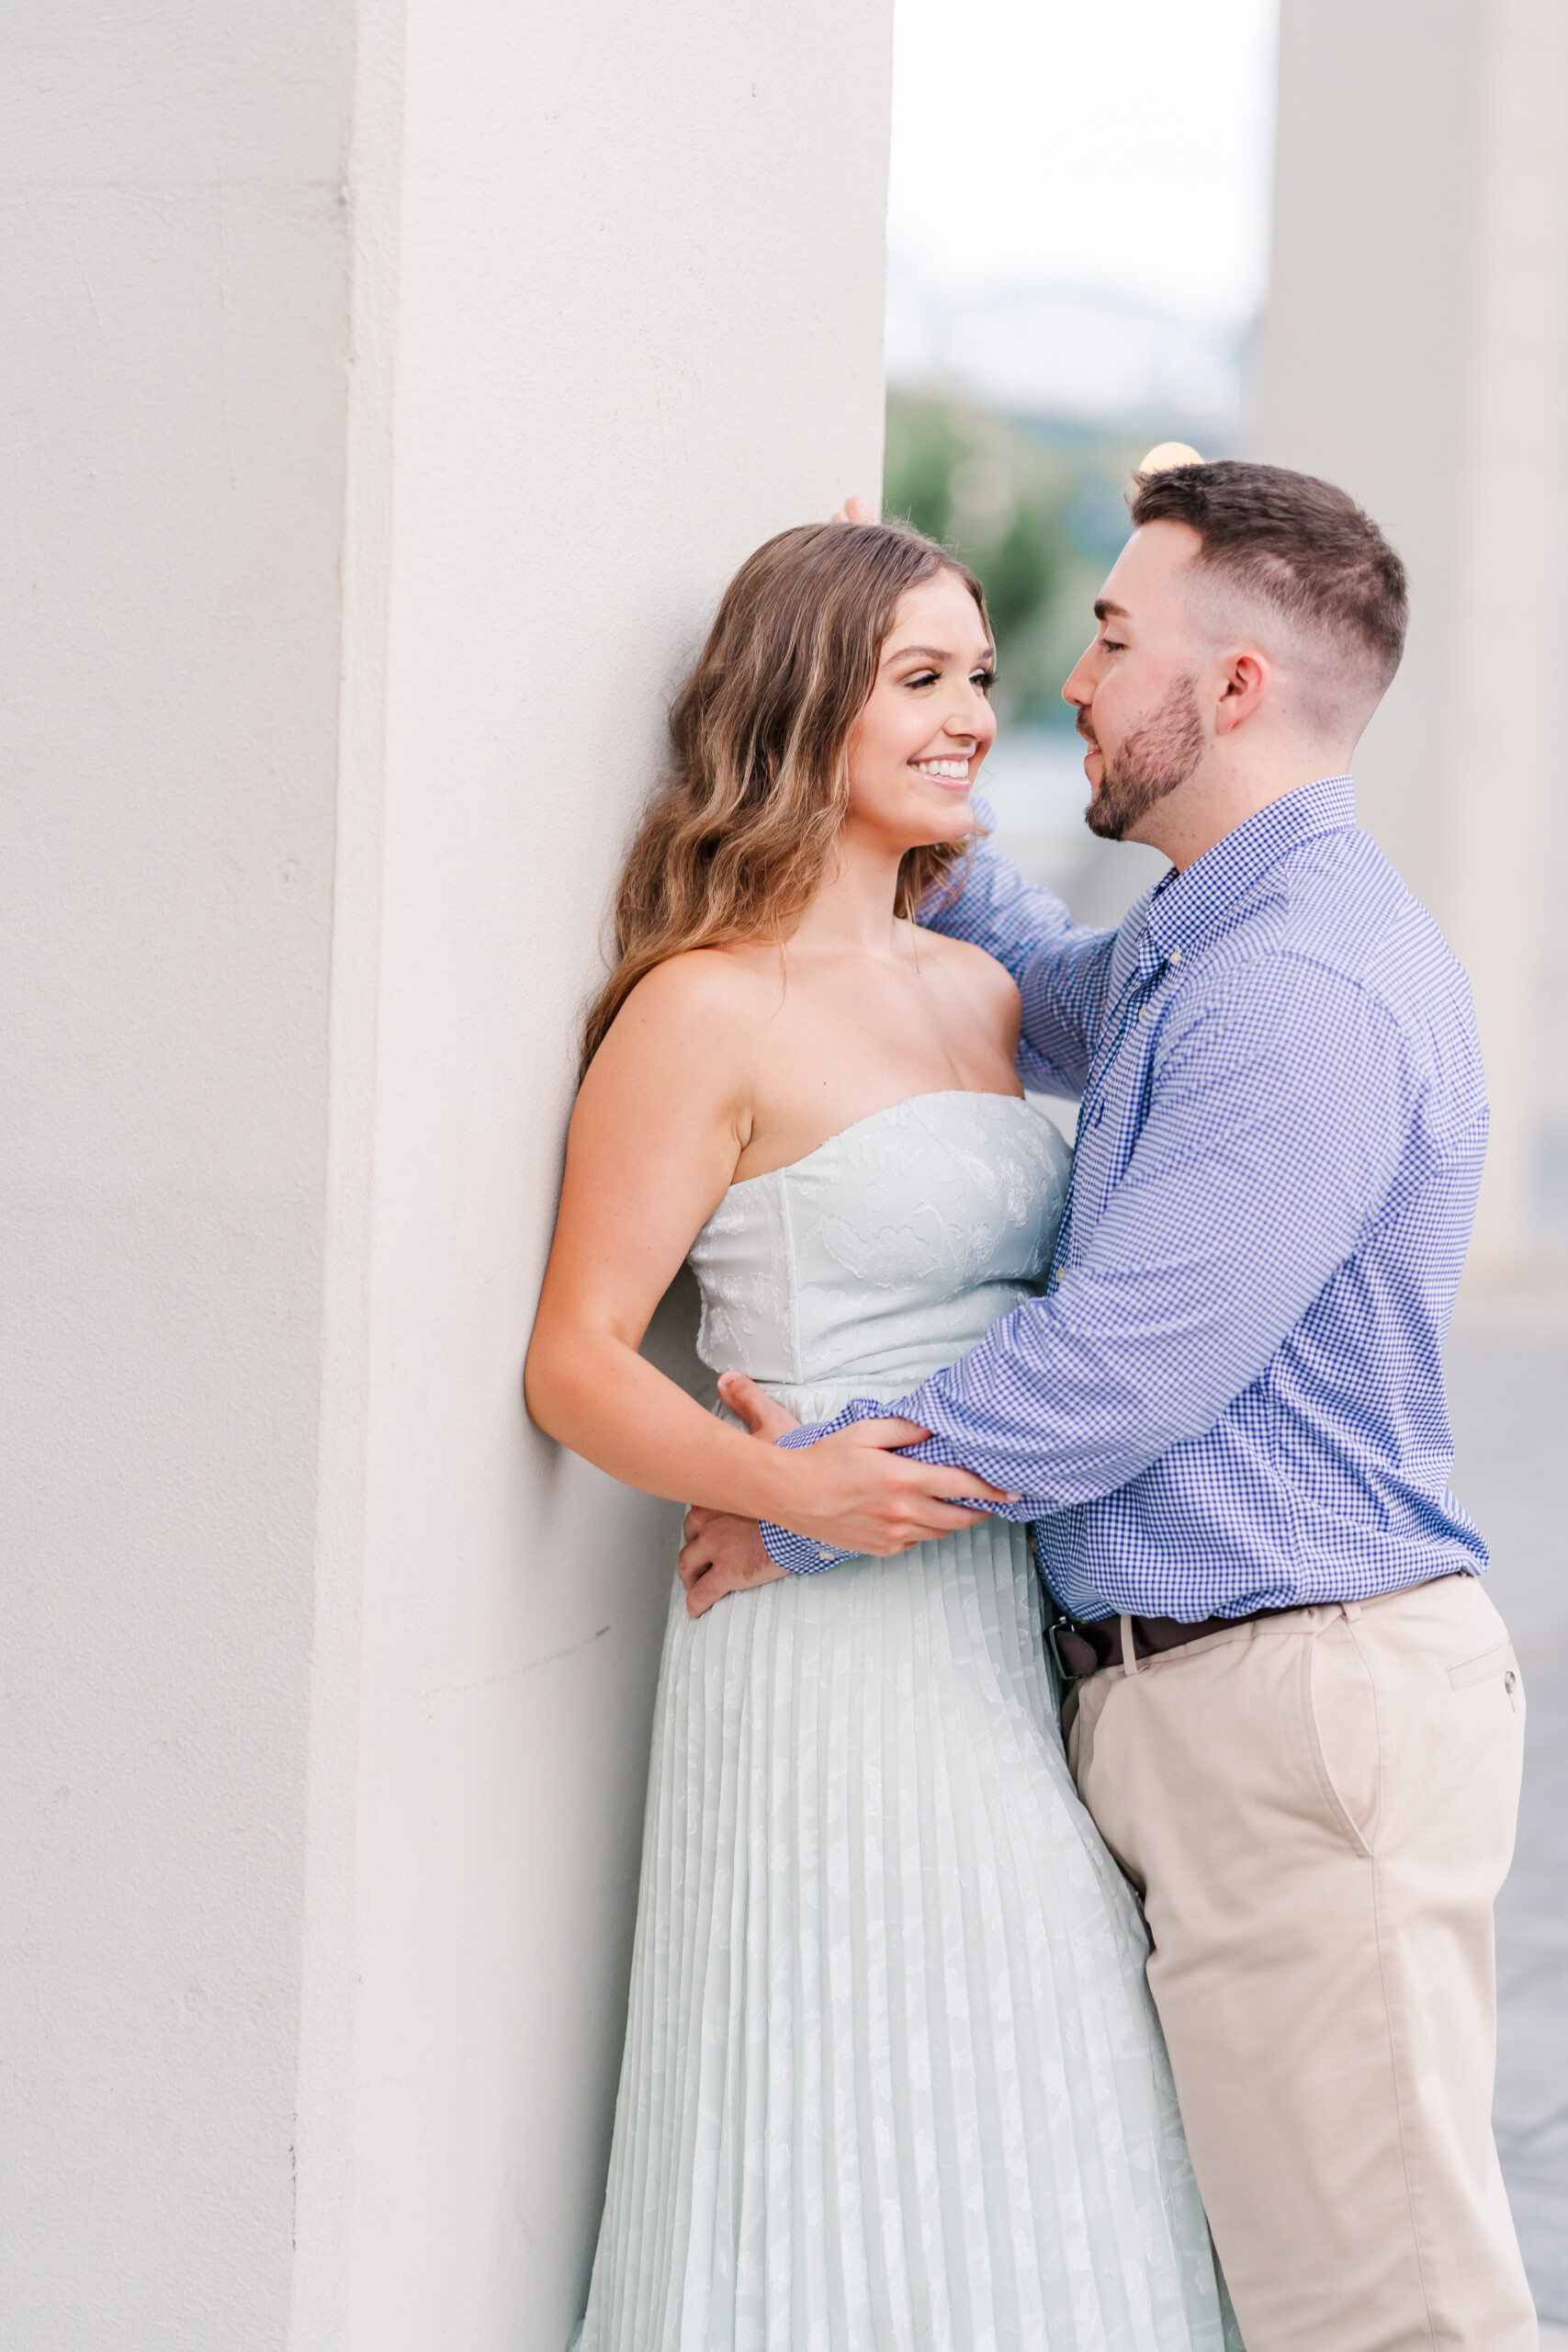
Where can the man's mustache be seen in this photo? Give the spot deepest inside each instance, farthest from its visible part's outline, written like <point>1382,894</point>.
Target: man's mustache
<point>1086,731</point>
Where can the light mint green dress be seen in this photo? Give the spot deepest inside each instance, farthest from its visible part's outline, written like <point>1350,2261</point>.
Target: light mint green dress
<point>892,2079</point>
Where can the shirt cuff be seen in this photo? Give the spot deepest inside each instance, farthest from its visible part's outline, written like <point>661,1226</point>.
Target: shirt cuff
<point>798,1553</point>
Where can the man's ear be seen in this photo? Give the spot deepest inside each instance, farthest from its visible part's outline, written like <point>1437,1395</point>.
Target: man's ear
<point>1245,683</point>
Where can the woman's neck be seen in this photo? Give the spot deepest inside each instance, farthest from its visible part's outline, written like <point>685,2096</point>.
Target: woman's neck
<point>853,910</point>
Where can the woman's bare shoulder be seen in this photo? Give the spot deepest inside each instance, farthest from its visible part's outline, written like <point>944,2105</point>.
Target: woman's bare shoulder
<point>699,986</point>
<point>700,1008</point>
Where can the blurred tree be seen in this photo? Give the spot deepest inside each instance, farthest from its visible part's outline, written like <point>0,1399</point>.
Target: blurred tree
<point>1034,507</point>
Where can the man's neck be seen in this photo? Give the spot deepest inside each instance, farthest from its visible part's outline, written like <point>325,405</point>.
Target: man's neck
<point>1188,823</point>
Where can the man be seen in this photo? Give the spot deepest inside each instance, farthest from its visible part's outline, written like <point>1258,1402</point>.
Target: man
<point>1295,1716</point>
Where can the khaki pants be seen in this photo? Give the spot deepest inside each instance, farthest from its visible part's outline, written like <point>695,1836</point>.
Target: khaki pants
<point>1318,1809</point>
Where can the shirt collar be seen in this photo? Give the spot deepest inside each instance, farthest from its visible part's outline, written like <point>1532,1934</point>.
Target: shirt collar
<point>1185,908</point>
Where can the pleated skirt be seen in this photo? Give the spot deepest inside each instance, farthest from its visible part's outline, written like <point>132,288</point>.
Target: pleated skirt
<point>892,2081</point>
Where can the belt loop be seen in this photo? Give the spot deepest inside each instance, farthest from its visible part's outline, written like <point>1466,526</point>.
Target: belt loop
<point>1129,1655</point>
<point>1350,1611</point>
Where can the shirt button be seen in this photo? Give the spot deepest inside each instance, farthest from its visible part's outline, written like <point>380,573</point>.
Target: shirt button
<point>824,1551</point>
<point>1175,955</point>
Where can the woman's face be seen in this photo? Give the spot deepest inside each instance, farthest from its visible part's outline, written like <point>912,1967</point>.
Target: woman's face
<point>916,749</point>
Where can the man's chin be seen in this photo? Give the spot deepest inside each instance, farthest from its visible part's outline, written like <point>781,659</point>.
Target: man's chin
<point>1106,824</point>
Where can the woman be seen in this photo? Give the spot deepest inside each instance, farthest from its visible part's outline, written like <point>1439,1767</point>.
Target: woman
<point>892,2078</point>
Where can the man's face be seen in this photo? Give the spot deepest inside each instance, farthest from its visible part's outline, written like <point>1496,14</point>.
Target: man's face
<point>1136,689</point>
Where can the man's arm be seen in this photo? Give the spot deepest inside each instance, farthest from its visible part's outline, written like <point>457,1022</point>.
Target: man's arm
<point>1280,1102</point>
<point>1061,967</point>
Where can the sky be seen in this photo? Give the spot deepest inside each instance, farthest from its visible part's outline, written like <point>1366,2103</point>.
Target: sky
<point>1119,151</point>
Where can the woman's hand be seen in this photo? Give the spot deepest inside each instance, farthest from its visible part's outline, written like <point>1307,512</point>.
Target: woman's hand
<point>858,1491</point>
<point>854,1491</point>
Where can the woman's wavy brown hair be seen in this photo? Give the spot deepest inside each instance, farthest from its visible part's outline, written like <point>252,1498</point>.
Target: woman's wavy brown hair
<point>734,842</point>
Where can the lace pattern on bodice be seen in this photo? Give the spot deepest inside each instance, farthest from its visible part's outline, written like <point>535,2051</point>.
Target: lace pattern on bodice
<point>887,1251</point>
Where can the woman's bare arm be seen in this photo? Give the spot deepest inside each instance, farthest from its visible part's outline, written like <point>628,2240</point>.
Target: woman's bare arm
<point>659,1123</point>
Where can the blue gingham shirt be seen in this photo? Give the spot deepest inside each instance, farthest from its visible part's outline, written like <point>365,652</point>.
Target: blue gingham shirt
<point>1230,1395</point>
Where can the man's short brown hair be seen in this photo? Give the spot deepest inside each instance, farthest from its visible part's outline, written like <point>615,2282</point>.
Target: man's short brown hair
<point>1293,542</point>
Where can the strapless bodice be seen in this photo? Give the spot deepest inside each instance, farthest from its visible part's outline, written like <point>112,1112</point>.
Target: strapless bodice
<point>887,1251</point>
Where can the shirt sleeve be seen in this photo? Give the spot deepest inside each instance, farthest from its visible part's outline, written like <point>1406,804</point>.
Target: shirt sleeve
<point>1060,966</point>
<point>1281,1105</point>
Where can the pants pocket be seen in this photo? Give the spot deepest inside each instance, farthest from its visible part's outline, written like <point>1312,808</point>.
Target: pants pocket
<point>1499,1661</point>
<point>1343,1725</point>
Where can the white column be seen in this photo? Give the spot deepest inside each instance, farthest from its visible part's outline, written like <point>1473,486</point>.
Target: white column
<point>396,386</point>
<point>636,328</point>
<point>1415,349</point>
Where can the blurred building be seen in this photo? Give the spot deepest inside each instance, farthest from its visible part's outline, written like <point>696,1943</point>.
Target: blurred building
<point>1415,349</point>
<point>1102,360</point>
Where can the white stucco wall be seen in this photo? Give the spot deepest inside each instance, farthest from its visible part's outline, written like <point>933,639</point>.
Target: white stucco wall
<point>1415,349</point>
<point>397,388</point>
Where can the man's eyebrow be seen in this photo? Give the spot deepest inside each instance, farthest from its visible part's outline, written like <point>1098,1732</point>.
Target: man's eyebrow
<point>1105,610</point>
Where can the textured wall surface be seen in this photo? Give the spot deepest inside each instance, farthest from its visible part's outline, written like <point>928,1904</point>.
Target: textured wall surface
<point>391,391</point>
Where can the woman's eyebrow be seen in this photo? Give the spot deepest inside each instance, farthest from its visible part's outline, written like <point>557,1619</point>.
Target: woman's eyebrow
<point>936,652</point>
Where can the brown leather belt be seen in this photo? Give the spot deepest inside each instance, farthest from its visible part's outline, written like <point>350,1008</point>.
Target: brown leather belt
<point>1080,1649</point>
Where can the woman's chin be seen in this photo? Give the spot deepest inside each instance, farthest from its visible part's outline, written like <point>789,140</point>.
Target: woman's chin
<point>936,835</point>
<point>922,827</point>
<point>953,820</point>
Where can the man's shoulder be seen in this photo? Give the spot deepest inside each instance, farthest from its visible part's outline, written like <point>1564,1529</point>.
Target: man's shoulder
<point>1336,903</point>
<point>1332,937</point>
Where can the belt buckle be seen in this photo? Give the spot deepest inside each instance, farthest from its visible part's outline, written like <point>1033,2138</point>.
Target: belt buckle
<point>1063,1624</point>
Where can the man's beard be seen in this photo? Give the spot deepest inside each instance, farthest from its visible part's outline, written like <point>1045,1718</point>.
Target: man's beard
<point>1155,760</point>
